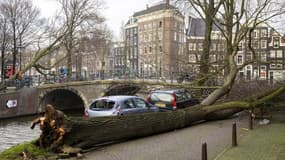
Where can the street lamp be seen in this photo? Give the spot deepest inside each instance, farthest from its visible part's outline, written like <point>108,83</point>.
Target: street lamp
<point>20,52</point>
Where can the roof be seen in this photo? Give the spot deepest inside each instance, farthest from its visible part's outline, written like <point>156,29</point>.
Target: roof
<point>117,98</point>
<point>168,91</point>
<point>155,8</point>
<point>196,27</point>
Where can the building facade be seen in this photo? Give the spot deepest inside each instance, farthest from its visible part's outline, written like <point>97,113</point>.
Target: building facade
<point>119,59</point>
<point>266,63</point>
<point>276,57</point>
<point>131,48</point>
<point>194,47</point>
<point>159,34</point>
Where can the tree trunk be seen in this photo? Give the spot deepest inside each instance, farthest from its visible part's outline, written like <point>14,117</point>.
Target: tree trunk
<point>59,131</point>
<point>86,133</point>
<point>220,92</point>
<point>205,63</point>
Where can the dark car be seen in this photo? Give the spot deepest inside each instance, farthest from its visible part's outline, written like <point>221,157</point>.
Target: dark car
<point>171,99</point>
<point>119,105</point>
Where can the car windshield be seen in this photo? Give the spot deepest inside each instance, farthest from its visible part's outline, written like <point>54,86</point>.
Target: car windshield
<point>163,97</point>
<point>102,104</point>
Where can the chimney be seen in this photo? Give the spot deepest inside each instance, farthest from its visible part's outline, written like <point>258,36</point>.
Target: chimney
<point>146,6</point>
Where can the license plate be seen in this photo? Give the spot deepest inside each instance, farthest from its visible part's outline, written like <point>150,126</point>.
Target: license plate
<point>160,105</point>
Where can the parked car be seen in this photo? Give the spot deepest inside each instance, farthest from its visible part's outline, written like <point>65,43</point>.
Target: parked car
<point>171,99</point>
<point>119,105</point>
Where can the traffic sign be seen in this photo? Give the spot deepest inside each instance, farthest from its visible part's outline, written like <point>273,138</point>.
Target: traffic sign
<point>11,103</point>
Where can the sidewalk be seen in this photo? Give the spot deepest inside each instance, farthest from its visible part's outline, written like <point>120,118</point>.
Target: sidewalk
<point>182,144</point>
<point>264,142</point>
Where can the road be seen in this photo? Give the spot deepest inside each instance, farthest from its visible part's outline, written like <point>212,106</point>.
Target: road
<point>183,144</point>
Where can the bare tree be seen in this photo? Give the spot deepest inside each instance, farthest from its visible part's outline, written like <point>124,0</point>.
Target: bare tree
<point>21,15</point>
<point>78,15</point>
<point>235,20</point>
<point>4,38</point>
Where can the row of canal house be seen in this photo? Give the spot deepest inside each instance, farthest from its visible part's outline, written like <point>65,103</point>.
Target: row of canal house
<point>268,44</point>
<point>269,47</point>
<point>157,45</point>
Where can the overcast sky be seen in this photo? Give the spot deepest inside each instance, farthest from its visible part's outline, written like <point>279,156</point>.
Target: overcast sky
<point>116,12</point>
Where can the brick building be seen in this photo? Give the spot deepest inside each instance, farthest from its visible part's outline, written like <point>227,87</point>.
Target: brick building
<point>158,34</point>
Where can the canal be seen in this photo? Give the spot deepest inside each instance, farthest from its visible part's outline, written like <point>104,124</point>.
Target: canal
<point>17,130</point>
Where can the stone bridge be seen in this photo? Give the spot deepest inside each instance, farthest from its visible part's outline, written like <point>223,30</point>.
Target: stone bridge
<point>76,95</point>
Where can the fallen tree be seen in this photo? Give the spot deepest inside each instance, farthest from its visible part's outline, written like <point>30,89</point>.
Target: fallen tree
<point>59,131</point>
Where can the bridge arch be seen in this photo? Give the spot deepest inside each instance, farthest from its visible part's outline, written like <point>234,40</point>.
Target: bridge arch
<point>63,99</point>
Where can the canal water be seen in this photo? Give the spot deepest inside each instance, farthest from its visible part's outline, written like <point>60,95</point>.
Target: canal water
<point>16,131</point>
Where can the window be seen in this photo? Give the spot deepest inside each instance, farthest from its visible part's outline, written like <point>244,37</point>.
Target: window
<point>272,54</point>
<point>149,26</point>
<point>160,48</point>
<point>159,35</point>
<point>255,44</point>
<point>264,33</point>
<point>213,58</point>
<point>272,66</point>
<point>163,97</point>
<point>240,46</point>
<point>255,34</point>
<point>199,57</point>
<point>102,105</point>
<point>140,103</point>
<point>129,104</point>
<point>279,66</point>
<point>160,24</point>
<point>200,46</point>
<point>135,40</point>
<point>213,47</point>
<point>150,49</point>
<point>192,58</point>
<point>263,57</point>
<point>220,47</point>
<point>263,68</point>
<point>146,37</point>
<point>175,36</point>
<point>275,42</point>
<point>239,60</point>
<point>222,57</point>
<point>263,44</point>
<point>276,54</point>
<point>279,54</point>
<point>192,46</point>
<point>135,53</point>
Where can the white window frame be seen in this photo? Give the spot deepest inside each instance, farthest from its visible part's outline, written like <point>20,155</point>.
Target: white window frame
<point>279,54</point>
<point>192,46</point>
<point>263,44</point>
<point>239,59</point>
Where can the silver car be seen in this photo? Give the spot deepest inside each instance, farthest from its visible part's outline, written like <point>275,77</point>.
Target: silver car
<point>119,105</point>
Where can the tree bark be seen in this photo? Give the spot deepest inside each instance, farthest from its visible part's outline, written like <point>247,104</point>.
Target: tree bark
<point>86,133</point>
<point>59,130</point>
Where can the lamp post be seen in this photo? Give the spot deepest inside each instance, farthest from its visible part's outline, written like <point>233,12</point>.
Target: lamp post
<point>20,53</point>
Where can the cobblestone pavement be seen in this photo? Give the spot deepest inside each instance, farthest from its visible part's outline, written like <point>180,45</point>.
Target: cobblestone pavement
<point>183,144</point>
